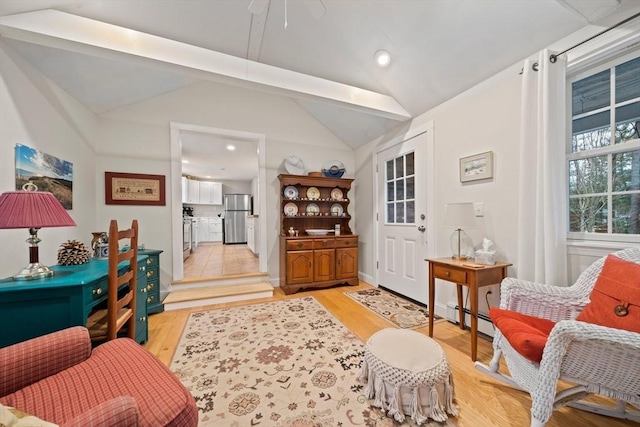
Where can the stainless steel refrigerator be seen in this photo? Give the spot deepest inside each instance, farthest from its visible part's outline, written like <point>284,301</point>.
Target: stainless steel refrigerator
<point>236,209</point>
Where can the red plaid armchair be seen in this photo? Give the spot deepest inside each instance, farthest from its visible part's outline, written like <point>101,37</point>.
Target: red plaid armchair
<point>58,378</point>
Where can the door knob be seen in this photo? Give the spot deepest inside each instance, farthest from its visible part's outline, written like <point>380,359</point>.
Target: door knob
<point>421,228</point>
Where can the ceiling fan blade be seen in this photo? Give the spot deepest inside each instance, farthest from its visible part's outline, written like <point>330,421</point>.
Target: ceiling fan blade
<point>316,7</point>
<point>257,6</point>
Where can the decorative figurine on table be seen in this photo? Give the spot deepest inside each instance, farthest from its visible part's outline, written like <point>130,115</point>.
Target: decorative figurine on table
<point>100,246</point>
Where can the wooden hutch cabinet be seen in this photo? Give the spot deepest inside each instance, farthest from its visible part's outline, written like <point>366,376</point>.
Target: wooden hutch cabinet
<point>311,255</point>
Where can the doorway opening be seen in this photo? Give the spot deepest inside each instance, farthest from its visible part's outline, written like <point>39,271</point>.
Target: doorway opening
<point>210,257</point>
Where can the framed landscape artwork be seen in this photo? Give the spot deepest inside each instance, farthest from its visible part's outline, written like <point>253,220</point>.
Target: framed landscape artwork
<point>47,172</point>
<point>473,168</point>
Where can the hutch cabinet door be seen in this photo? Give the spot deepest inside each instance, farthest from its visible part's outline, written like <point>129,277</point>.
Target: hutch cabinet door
<point>299,267</point>
<point>324,261</point>
<point>346,263</point>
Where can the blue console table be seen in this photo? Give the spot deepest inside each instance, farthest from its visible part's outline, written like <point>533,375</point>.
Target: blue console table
<point>36,307</point>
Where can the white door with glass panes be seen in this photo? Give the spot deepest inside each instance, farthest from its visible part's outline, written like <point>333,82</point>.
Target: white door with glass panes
<point>405,215</point>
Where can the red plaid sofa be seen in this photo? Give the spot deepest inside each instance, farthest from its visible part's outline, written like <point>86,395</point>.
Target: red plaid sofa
<point>58,378</point>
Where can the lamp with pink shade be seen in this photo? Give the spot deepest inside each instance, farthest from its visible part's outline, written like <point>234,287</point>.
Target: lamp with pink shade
<point>34,210</point>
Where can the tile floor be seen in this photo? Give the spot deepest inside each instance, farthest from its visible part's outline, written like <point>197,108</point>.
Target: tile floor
<point>213,259</point>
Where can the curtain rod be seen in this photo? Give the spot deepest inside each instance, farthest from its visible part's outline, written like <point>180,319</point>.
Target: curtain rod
<point>554,56</point>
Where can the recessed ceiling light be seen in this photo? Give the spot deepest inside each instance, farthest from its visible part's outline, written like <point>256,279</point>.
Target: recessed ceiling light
<point>208,176</point>
<point>231,147</point>
<point>382,57</point>
<point>185,161</point>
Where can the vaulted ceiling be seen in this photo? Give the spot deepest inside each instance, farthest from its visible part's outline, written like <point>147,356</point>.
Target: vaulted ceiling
<point>318,52</point>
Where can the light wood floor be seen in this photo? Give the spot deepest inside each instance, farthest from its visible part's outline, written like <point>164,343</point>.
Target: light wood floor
<point>213,259</point>
<point>482,400</point>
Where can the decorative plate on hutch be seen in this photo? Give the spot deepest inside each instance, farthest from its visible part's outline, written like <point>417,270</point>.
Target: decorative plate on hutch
<point>290,209</point>
<point>336,194</point>
<point>291,192</point>
<point>313,193</point>
<point>313,208</point>
<point>336,209</point>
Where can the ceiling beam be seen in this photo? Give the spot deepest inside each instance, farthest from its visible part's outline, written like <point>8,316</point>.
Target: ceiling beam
<point>74,33</point>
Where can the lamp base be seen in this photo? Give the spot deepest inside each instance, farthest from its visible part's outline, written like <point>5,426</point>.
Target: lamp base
<point>34,271</point>
<point>461,245</point>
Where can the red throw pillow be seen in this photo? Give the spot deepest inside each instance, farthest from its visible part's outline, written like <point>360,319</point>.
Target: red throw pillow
<point>615,298</point>
<point>526,334</point>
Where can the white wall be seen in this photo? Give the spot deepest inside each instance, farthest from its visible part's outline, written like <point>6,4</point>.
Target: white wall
<point>36,113</point>
<point>142,131</point>
<point>485,118</point>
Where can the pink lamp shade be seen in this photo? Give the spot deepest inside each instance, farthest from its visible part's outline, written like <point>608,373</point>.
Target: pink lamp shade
<point>33,210</point>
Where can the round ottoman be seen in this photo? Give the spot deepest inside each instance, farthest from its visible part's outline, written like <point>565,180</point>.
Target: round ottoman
<point>407,372</point>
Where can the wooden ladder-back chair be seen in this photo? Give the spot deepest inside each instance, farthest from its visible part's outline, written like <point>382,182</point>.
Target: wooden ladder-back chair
<point>104,324</point>
<point>587,334</point>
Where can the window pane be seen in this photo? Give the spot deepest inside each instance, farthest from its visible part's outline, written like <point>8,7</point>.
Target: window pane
<point>399,167</point>
<point>400,212</point>
<point>588,176</point>
<point>627,122</point>
<point>591,93</point>
<point>591,132</point>
<point>411,213</point>
<point>390,191</point>
<point>400,190</point>
<point>390,213</point>
<point>389,169</point>
<point>588,214</point>
<point>626,214</point>
<point>410,164</point>
<point>626,171</point>
<point>628,80</point>
<point>411,191</point>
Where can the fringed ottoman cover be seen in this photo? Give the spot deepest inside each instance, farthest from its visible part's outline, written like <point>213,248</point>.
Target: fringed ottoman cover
<point>407,372</point>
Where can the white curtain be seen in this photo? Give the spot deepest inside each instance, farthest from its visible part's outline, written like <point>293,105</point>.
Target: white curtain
<point>542,207</point>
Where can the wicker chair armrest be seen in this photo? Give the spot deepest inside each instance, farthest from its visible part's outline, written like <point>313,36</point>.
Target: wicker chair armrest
<point>595,356</point>
<point>550,302</point>
<point>30,361</point>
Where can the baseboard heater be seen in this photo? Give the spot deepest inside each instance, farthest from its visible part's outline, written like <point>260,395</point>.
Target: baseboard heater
<point>485,326</point>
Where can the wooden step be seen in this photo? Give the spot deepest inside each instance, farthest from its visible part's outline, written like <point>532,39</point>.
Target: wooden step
<point>205,282</point>
<point>201,296</point>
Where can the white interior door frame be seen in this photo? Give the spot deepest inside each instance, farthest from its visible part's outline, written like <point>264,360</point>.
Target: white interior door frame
<point>176,189</point>
<point>428,127</point>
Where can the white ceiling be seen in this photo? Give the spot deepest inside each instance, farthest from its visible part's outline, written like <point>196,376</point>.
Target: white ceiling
<point>439,49</point>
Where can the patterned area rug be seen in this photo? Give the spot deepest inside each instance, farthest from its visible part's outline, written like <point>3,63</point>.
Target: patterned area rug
<point>283,363</point>
<point>401,312</point>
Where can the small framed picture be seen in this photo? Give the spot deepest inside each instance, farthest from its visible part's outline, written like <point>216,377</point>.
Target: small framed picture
<point>134,189</point>
<point>473,168</point>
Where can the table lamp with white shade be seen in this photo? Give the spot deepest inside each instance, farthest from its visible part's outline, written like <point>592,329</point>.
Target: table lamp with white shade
<point>459,216</point>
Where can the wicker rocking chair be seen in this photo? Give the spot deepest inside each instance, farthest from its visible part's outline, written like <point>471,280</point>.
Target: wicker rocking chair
<point>597,359</point>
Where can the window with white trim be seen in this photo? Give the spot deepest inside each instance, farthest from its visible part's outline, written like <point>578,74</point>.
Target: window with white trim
<point>603,160</point>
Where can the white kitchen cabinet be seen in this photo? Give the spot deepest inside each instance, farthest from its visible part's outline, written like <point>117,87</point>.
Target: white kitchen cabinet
<point>185,189</point>
<point>210,193</point>
<point>193,191</point>
<point>215,229</point>
<point>203,229</point>
<point>210,229</point>
<point>252,234</point>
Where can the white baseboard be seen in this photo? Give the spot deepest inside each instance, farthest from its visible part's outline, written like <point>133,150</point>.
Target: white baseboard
<point>366,278</point>
<point>485,326</point>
